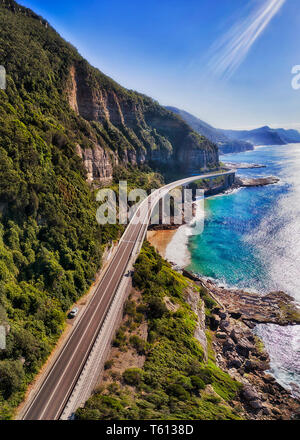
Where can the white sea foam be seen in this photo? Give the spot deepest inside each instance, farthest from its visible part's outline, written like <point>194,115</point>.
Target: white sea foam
<point>277,246</point>
<point>228,192</point>
<point>223,283</point>
<point>283,346</point>
<point>177,250</point>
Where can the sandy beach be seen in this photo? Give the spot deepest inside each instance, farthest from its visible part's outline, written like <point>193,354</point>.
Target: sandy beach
<point>161,239</point>
<point>171,244</point>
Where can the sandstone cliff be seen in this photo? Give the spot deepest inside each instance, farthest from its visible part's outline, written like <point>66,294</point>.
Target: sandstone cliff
<point>131,128</point>
<point>106,124</point>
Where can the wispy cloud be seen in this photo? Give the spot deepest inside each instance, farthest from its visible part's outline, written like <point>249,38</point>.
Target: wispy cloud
<point>229,52</point>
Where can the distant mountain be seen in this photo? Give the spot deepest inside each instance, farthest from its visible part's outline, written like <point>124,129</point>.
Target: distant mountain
<point>289,136</point>
<point>265,136</point>
<point>226,144</point>
<point>231,141</point>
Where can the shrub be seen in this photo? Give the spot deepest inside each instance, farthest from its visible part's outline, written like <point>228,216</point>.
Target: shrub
<point>198,384</point>
<point>210,303</point>
<point>138,343</point>
<point>11,377</point>
<point>113,388</point>
<point>178,391</point>
<point>205,375</point>
<point>156,308</point>
<point>133,376</point>
<point>130,308</point>
<point>120,339</point>
<point>213,399</point>
<point>184,381</point>
<point>108,364</point>
<point>142,308</point>
<point>115,375</point>
<point>139,318</point>
<point>158,398</point>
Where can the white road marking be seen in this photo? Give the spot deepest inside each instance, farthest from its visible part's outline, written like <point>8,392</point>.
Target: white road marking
<point>153,198</point>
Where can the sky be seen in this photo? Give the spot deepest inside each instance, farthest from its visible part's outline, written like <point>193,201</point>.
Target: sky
<point>227,62</point>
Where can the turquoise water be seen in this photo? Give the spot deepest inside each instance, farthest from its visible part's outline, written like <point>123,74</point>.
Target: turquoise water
<point>251,238</point>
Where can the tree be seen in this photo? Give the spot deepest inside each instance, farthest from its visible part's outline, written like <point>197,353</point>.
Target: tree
<point>11,377</point>
<point>133,376</point>
<point>178,391</point>
<point>156,308</point>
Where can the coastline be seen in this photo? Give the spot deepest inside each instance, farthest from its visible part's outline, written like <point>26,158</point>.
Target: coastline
<point>264,316</point>
<point>160,239</point>
<point>232,362</point>
<point>240,351</point>
<point>172,242</point>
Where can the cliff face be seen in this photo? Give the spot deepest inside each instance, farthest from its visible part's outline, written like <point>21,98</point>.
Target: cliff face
<point>106,123</point>
<point>133,127</point>
<point>97,162</point>
<point>57,114</point>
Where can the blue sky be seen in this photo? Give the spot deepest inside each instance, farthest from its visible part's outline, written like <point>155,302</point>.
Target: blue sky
<point>174,50</point>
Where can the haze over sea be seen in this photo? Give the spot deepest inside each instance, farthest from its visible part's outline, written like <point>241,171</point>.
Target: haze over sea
<point>251,240</point>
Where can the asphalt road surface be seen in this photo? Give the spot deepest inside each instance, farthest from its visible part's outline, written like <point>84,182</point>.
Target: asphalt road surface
<point>53,394</point>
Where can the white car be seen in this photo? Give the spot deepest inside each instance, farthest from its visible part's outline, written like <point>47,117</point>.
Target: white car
<point>74,312</point>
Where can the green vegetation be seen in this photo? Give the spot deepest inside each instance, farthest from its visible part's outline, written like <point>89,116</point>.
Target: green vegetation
<point>173,382</point>
<point>205,183</point>
<point>290,312</point>
<point>137,177</point>
<point>108,364</point>
<point>49,240</point>
<point>50,243</point>
<point>133,376</point>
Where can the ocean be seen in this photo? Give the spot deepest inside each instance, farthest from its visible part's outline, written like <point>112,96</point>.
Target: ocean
<point>251,240</point>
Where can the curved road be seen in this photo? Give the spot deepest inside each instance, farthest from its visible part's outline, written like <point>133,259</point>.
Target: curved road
<point>53,394</point>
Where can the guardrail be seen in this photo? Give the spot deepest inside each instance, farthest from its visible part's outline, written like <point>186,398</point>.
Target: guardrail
<point>94,366</point>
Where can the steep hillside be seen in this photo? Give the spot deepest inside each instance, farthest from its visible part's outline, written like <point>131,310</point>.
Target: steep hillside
<point>225,143</point>
<point>167,375</point>
<point>185,351</point>
<point>56,115</point>
<point>108,124</point>
<point>134,127</point>
<point>265,136</point>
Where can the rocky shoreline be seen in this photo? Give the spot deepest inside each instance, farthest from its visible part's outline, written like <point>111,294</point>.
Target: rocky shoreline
<point>238,183</point>
<point>243,166</point>
<point>260,181</point>
<point>248,182</point>
<point>242,354</point>
<point>237,349</point>
<point>252,308</point>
